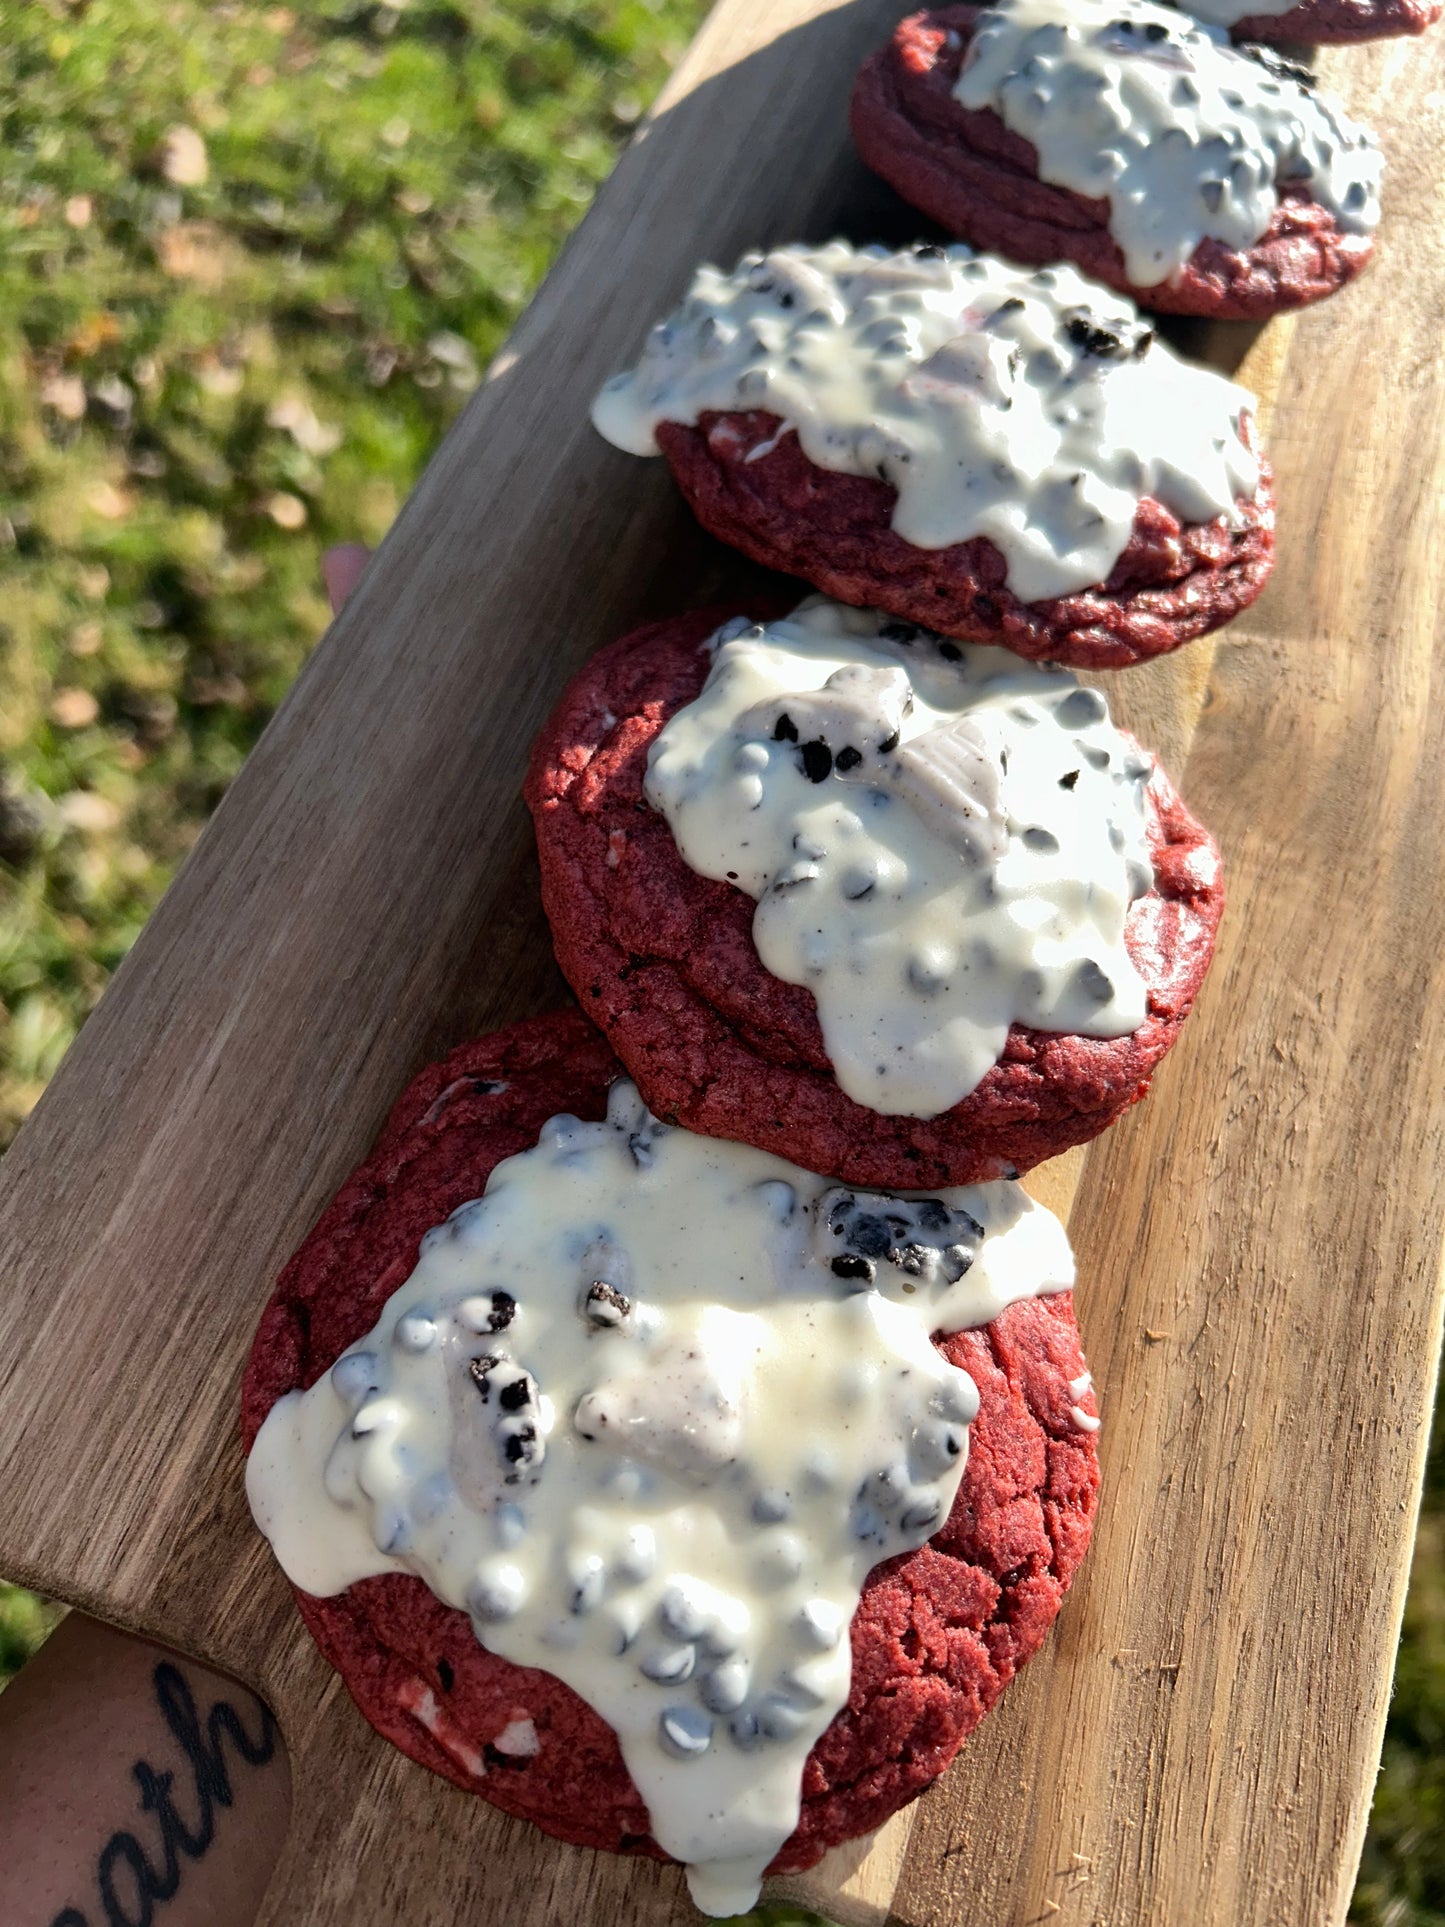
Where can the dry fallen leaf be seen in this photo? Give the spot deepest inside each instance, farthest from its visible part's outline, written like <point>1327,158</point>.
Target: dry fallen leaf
<point>97,331</point>
<point>64,395</point>
<point>73,708</point>
<point>181,157</point>
<point>286,511</point>
<point>298,418</point>
<point>109,501</point>
<point>84,810</point>
<point>219,377</point>
<point>192,251</point>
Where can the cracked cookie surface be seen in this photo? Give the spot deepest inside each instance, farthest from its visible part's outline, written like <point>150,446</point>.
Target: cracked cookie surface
<point>664,960</point>
<point>938,1634</point>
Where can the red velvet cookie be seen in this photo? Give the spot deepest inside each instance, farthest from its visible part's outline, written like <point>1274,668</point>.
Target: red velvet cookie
<point>938,1634</point>
<point>974,176</point>
<point>664,960</point>
<point>752,486</point>
<point>1338,23</point>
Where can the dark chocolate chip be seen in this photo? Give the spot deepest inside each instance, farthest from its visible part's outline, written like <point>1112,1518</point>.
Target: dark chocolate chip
<point>848,757</point>
<point>605,1304</point>
<point>1140,876</point>
<point>1068,782</point>
<point>848,1264</point>
<point>1277,65</point>
<point>1080,708</point>
<point>925,978</point>
<point>870,1237</point>
<point>1091,983</point>
<point>785,730</point>
<point>909,1236</point>
<point>1091,337</point>
<point>923,1515</point>
<point>817,761</point>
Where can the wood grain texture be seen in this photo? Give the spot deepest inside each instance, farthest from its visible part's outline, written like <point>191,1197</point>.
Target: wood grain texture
<point>1261,1242</point>
<point>1260,1245</point>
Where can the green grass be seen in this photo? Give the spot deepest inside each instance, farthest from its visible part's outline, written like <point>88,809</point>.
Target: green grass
<point>205,379</point>
<point>24,1623</point>
<point>1402,1873</point>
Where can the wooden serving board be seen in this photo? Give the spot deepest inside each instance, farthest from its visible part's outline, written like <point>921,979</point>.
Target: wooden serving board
<point>1259,1245</point>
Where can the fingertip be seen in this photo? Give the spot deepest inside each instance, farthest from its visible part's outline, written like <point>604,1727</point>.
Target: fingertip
<point>341,570</point>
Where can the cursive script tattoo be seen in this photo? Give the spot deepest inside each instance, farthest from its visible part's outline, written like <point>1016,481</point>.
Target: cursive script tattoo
<point>130,1882</point>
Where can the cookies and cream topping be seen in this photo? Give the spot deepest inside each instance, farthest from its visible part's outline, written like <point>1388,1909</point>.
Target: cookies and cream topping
<point>649,1411</point>
<point>1224,13</point>
<point>1186,137</point>
<point>943,840</point>
<point>1031,407</point>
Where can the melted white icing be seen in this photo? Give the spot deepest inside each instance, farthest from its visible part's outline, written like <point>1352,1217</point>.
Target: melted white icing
<point>1185,136</point>
<point>707,1476</point>
<point>1028,406</point>
<point>971,867</point>
<point>1224,13</point>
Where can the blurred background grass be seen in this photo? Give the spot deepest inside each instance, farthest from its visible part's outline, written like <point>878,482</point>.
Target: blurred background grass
<point>253,258</point>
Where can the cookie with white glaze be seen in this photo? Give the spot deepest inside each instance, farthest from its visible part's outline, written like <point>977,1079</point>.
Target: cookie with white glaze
<point>938,1634</point>
<point>666,960</point>
<point>1130,140</point>
<point>1000,454</point>
<point>1321,23</point>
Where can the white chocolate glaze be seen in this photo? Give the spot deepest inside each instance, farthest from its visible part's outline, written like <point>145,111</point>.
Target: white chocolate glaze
<point>1224,13</point>
<point>650,1410</point>
<point>1185,136</point>
<point>943,841</point>
<point>1028,406</point>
